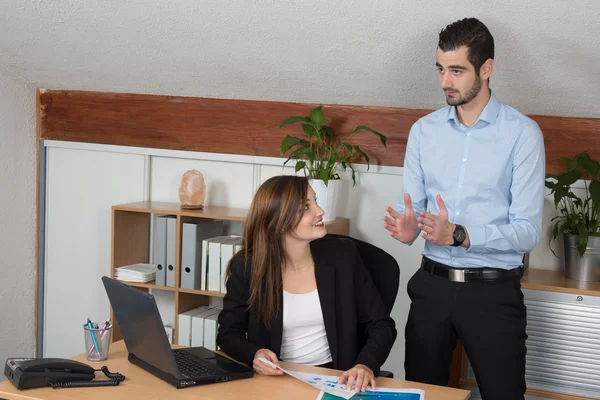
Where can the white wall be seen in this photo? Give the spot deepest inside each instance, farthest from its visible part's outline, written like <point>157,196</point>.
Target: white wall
<point>17,217</point>
<point>375,52</point>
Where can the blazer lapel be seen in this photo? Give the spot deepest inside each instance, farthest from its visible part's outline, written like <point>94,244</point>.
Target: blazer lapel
<point>277,327</point>
<point>325,277</point>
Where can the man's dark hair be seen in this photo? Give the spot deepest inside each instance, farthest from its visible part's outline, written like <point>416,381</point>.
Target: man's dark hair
<point>472,33</point>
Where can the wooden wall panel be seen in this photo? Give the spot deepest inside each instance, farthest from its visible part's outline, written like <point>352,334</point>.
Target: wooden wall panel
<point>252,127</point>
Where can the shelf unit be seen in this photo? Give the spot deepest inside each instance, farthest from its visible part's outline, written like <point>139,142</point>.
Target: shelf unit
<point>132,237</point>
<point>550,281</point>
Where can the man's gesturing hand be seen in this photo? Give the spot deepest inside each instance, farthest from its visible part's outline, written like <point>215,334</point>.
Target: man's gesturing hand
<point>402,227</point>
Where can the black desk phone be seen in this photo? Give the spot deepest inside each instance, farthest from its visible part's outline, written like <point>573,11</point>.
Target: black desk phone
<point>26,373</point>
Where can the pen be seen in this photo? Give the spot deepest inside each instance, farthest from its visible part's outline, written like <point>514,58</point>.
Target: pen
<point>89,324</point>
<point>102,332</point>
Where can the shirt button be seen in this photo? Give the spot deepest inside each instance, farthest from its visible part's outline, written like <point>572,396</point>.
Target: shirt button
<point>458,212</point>
<point>465,159</point>
<point>460,186</point>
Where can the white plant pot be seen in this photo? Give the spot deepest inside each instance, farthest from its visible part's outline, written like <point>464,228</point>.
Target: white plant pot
<point>327,196</point>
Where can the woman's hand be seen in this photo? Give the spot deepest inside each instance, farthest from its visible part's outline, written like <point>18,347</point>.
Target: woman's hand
<point>361,374</point>
<point>264,368</point>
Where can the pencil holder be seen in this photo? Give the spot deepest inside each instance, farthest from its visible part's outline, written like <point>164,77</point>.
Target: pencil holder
<point>97,342</point>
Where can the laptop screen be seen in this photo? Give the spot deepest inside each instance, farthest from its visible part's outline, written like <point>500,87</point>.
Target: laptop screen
<point>141,325</point>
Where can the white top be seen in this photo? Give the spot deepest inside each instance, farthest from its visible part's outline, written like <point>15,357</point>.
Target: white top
<point>304,339</point>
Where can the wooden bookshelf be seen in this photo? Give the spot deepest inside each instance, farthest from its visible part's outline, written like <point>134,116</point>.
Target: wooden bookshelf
<point>132,237</point>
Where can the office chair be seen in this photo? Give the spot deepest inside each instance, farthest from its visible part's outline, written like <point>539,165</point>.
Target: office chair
<point>385,273</point>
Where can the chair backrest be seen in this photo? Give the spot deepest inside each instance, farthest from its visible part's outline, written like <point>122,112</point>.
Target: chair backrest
<point>383,268</point>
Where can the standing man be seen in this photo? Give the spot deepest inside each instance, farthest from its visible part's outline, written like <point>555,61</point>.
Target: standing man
<point>473,188</point>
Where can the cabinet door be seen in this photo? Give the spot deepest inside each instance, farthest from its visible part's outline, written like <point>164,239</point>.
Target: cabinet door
<point>82,185</point>
<point>563,344</point>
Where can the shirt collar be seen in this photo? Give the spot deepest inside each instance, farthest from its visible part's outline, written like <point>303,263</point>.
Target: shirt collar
<point>489,113</point>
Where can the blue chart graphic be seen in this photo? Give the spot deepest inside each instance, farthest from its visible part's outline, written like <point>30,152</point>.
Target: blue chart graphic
<point>376,395</point>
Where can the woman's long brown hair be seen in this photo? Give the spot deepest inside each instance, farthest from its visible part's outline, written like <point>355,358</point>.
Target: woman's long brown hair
<point>276,210</point>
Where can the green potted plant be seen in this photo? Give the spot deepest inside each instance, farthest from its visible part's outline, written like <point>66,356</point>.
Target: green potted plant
<point>578,222</point>
<point>320,154</point>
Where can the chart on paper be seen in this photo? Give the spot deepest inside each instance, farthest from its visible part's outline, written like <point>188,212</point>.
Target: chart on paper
<point>326,383</point>
<point>380,394</point>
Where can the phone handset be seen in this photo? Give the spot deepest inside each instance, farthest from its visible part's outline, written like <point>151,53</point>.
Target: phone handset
<point>114,378</point>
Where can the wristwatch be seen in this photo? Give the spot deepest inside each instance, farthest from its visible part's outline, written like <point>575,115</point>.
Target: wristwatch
<point>459,235</point>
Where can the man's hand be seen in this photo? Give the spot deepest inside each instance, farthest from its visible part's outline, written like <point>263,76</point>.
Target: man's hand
<point>436,228</point>
<point>402,227</point>
<point>361,374</point>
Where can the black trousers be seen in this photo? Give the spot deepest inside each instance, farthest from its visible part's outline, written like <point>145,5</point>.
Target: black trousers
<point>488,317</point>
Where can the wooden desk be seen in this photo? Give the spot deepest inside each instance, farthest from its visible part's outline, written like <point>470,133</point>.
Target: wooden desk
<point>140,384</point>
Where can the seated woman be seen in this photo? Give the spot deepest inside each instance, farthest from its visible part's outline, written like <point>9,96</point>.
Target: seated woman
<point>295,296</point>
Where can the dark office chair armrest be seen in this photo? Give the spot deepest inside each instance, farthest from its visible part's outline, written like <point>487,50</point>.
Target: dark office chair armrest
<point>386,374</point>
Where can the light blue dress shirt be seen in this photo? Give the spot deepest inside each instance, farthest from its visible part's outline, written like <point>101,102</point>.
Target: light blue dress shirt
<point>491,179</point>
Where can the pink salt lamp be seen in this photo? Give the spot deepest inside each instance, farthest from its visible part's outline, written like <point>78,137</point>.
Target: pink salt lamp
<point>192,190</point>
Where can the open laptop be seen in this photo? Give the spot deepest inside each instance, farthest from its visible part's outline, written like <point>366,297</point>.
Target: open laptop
<point>148,346</point>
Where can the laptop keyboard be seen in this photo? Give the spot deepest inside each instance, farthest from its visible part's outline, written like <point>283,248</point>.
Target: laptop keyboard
<point>190,366</point>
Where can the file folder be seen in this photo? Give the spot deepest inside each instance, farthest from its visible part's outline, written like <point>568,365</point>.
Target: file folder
<point>171,249</point>
<point>160,249</point>
<point>191,249</point>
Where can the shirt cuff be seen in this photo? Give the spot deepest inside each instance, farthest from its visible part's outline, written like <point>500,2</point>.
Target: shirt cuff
<point>477,238</point>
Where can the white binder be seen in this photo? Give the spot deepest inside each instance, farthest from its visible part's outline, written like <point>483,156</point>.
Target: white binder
<point>198,326</point>
<point>210,331</point>
<point>184,329</point>
<point>228,249</point>
<point>214,263</point>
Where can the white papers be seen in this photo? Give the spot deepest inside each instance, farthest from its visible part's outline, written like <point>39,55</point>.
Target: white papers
<point>325,383</point>
<point>381,394</point>
<point>136,273</point>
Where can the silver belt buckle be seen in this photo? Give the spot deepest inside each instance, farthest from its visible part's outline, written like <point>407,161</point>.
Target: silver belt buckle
<point>456,275</point>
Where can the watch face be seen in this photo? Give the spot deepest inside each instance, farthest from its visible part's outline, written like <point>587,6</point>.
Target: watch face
<point>459,234</point>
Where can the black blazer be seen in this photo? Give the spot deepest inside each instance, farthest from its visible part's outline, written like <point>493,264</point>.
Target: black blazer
<point>349,301</point>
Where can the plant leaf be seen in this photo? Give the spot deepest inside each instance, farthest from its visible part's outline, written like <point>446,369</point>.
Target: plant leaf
<point>571,164</point>
<point>310,130</point>
<point>293,120</point>
<point>595,194</point>
<point>362,153</point>
<point>328,132</point>
<point>301,153</point>
<point>291,141</point>
<point>568,178</point>
<point>587,164</point>
<point>582,239</point>
<point>550,184</point>
<point>300,165</point>
<point>324,175</point>
<point>379,135</point>
<point>348,147</point>
<point>317,117</point>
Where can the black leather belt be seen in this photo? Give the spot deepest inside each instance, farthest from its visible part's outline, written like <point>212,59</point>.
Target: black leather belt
<point>469,274</point>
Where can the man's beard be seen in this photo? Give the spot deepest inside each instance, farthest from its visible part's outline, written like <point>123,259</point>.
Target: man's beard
<point>470,95</point>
